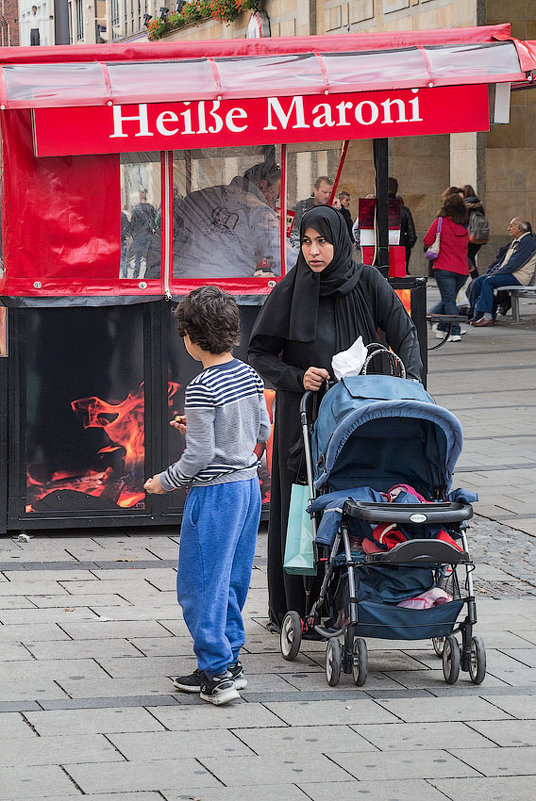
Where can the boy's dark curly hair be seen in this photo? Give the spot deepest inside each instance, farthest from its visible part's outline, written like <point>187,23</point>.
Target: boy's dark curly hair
<point>211,319</point>
<point>453,207</point>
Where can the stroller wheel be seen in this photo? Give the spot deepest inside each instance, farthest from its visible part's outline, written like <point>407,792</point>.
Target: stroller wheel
<point>451,659</point>
<point>360,665</point>
<point>291,634</point>
<point>477,666</point>
<point>439,644</point>
<point>333,662</point>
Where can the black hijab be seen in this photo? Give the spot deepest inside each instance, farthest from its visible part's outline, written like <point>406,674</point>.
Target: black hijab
<point>291,311</point>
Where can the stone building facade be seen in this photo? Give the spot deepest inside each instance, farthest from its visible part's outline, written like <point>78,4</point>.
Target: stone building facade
<point>500,165</point>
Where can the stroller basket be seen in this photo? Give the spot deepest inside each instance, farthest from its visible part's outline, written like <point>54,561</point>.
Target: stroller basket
<point>427,552</point>
<point>398,623</point>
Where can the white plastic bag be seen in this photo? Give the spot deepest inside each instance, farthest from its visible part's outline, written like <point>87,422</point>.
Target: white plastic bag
<point>349,362</point>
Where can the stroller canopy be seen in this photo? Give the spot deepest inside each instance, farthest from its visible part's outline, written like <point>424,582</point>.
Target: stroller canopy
<point>378,431</point>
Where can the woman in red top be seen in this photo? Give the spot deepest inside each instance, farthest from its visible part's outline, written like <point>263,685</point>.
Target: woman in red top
<point>450,267</point>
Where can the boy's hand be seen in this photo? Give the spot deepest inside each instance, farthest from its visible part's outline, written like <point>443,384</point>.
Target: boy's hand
<point>179,423</point>
<point>153,486</point>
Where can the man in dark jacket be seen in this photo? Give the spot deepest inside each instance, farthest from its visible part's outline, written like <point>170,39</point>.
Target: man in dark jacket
<point>514,267</point>
<point>342,203</point>
<point>408,237</point>
<point>142,225</point>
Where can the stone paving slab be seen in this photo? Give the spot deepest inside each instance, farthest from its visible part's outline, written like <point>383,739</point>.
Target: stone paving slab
<point>270,792</point>
<point>231,716</point>
<point>71,649</point>
<point>422,736</point>
<point>303,739</point>
<point>60,750</point>
<point>331,712</point>
<point>134,777</point>
<point>41,781</point>
<point>500,761</point>
<point>407,790</point>
<point>68,600</point>
<point>429,764</point>
<point>170,745</point>
<point>14,726</point>
<point>516,788</point>
<point>253,770</point>
<point>92,721</point>
<point>415,710</point>
<point>507,732</point>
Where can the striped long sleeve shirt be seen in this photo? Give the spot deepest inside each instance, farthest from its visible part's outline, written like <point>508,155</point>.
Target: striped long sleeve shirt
<point>226,417</point>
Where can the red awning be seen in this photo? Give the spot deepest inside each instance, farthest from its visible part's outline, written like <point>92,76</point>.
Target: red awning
<point>231,69</point>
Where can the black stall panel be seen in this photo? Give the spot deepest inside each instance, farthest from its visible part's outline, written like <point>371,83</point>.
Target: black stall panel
<point>78,404</point>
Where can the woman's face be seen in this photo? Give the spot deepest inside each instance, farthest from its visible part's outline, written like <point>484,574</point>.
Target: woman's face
<point>317,251</point>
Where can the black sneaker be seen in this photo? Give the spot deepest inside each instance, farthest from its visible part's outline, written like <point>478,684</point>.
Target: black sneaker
<point>219,689</point>
<point>237,674</point>
<point>191,683</point>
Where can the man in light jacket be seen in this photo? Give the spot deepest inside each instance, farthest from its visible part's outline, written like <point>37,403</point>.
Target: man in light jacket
<point>515,267</point>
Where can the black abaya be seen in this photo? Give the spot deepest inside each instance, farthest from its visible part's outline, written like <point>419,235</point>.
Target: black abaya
<point>283,362</point>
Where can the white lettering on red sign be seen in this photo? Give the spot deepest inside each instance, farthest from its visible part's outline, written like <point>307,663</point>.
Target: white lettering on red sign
<point>282,114</point>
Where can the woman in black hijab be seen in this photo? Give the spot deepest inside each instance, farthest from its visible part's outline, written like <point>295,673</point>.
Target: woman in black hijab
<point>318,309</point>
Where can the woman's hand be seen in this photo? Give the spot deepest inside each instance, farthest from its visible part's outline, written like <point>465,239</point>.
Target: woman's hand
<point>314,377</point>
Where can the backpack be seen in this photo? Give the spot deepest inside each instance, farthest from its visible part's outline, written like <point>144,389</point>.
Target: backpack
<point>478,228</point>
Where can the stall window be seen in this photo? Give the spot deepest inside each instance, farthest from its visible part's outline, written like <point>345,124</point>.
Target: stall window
<point>226,215</point>
<point>140,215</point>
<point>311,171</point>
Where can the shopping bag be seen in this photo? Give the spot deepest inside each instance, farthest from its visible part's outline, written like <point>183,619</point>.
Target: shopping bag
<point>299,554</point>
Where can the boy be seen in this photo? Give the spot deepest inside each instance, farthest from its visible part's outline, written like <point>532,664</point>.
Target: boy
<point>225,417</point>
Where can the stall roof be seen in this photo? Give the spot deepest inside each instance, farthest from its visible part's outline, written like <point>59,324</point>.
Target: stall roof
<point>242,68</point>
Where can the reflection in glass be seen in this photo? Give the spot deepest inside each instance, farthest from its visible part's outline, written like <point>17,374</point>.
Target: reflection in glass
<point>140,215</point>
<point>226,216</point>
<point>311,170</point>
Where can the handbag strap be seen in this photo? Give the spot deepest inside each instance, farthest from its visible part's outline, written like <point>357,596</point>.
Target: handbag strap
<point>439,225</point>
<point>395,362</point>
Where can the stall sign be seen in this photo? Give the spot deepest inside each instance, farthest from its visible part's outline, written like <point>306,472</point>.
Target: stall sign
<point>266,120</point>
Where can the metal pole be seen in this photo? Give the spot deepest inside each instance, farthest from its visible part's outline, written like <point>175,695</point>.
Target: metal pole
<point>381,164</point>
<point>61,22</point>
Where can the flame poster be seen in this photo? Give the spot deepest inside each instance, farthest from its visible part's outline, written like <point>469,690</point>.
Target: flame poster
<point>85,410</point>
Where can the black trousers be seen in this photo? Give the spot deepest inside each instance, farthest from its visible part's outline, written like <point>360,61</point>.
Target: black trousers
<point>35,36</point>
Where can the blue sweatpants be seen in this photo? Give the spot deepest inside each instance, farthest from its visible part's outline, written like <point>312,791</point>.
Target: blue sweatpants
<point>216,550</point>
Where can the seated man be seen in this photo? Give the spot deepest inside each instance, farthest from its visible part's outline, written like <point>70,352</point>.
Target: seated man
<point>514,267</point>
<point>320,197</point>
<point>226,231</point>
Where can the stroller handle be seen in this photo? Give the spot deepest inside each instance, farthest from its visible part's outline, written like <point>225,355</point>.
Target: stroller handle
<point>448,512</point>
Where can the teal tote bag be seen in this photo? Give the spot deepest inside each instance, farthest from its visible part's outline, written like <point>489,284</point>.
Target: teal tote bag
<point>299,552</point>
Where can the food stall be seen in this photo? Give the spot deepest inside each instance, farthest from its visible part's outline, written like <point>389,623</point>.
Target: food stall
<point>132,173</point>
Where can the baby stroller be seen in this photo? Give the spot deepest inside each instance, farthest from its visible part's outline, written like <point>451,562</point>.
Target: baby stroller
<point>390,537</point>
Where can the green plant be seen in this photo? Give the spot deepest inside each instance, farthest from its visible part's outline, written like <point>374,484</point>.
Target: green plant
<point>199,10</point>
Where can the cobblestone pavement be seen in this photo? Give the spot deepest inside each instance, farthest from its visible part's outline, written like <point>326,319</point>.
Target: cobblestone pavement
<point>90,635</point>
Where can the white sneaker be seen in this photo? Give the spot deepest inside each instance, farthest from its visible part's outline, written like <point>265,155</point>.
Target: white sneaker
<point>434,327</point>
<point>440,334</point>
<point>454,338</point>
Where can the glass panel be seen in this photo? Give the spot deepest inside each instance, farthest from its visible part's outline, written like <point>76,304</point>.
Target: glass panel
<point>278,73</point>
<point>85,409</point>
<point>162,80</point>
<point>369,70</point>
<point>311,170</point>
<point>226,215</point>
<point>80,83</point>
<point>141,243</point>
<point>494,58</point>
